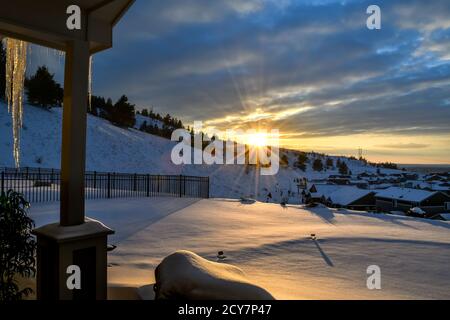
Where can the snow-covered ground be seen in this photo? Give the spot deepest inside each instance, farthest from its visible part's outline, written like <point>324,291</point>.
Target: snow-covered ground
<point>114,149</point>
<point>272,244</point>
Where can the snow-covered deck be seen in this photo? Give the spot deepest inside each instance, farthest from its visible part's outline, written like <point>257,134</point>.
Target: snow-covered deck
<point>272,245</point>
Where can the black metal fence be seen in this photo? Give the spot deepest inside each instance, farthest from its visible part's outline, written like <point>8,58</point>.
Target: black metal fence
<point>43,185</point>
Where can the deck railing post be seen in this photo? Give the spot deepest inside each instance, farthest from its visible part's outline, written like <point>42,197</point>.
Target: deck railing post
<point>157,184</point>
<point>173,185</point>
<point>109,186</point>
<point>3,183</point>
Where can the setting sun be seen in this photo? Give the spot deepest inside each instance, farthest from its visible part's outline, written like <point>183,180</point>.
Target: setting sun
<point>259,139</point>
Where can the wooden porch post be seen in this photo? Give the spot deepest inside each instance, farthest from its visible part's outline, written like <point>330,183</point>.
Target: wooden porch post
<point>73,153</point>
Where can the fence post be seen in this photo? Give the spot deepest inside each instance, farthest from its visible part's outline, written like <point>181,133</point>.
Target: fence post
<point>114,180</point>
<point>3,183</point>
<point>109,185</point>
<point>187,186</point>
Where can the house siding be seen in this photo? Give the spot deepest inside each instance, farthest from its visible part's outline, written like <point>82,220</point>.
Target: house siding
<point>434,204</point>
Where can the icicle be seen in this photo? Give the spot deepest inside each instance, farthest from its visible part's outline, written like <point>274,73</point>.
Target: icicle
<point>90,83</point>
<point>60,54</point>
<point>16,62</point>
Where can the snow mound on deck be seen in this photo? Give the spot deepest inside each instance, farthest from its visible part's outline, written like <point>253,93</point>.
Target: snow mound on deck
<point>185,275</point>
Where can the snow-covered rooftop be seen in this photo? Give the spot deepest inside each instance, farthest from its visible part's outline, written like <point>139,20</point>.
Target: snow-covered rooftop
<point>343,195</point>
<point>347,195</point>
<point>325,189</point>
<point>406,194</point>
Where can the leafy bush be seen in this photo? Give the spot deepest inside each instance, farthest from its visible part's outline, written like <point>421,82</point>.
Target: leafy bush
<point>17,246</point>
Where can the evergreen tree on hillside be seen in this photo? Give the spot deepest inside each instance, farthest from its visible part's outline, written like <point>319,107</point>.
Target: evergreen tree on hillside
<point>318,165</point>
<point>343,168</point>
<point>284,161</point>
<point>329,163</point>
<point>2,70</point>
<point>144,112</point>
<point>143,126</point>
<point>98,105</point>
<point>123,113</point>
<point>103,108</point>
<point>301,161</point>
<point>43,90</point>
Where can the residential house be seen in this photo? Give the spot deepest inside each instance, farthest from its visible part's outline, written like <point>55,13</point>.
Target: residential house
<point>403,199</point>
<point>352,198</point>
<point>339,196</point>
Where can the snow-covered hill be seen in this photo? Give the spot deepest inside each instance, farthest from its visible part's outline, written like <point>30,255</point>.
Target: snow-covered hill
<point>114,149</point>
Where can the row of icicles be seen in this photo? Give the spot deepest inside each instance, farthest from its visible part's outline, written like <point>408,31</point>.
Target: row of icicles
<point>16,65</point>
<point>16,62</point>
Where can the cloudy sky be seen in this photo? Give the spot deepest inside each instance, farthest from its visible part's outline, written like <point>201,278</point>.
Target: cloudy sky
<point>309,68</point>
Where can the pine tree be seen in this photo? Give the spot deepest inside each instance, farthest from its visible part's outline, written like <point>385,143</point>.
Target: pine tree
<point>343,168</point>
<point>318,165</point>
<point>123,113</point>
<point>43,90</point>
<point>284,161</point>
<point>97,105</point>
<point>301,161</point>
<point>143,126</point>
<point>144,112</point>
<point>330,163</point>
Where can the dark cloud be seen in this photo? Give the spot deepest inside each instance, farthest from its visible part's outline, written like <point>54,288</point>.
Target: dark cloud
<point>203,60</point>
<point>405,146</point>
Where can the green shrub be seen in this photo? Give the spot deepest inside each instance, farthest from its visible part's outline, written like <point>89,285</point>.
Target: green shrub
<point>17,246</point>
